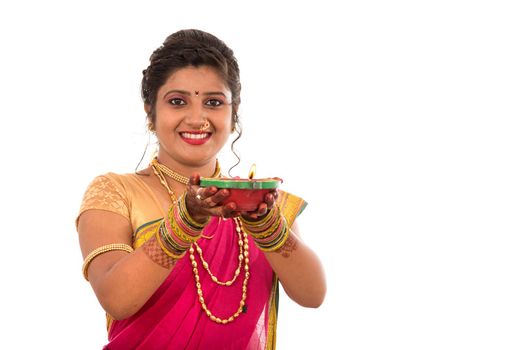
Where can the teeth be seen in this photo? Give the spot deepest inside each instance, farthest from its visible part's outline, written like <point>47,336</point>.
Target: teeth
<point>194,136</point>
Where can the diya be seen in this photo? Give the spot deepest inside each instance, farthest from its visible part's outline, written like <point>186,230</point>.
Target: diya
<point>248,193</point>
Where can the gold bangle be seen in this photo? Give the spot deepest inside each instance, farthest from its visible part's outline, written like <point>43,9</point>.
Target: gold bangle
<point>269,231</point>
<point>283,238</point>
<point>101,250</point>
<point>262,222</point>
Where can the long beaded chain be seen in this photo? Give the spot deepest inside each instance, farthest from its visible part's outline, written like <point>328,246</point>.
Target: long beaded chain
<point>241,306</point>
<point>163,181</point>
<point>242,256</point>
<point>240,259</point>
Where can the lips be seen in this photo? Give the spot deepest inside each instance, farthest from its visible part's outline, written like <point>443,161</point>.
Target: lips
<point>195,138</point>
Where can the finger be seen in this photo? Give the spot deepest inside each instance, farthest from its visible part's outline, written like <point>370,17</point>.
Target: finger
<point>198,194</point>
<point>220,195</point>
<point>193,186</point>
<point>228,210</point>
<point>225,211</point>
<point>210,197</point>
<point>262,209</point>
<point>208,202</point>
<point>194,179</point>
<point>251,215</point>
<point>208,191</point>
<point>270,199</point>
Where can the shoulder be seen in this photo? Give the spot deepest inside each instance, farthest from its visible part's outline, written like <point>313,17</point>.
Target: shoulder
<point>119,178</point>
<point>112,189</point>
<point>114,182</point>
<point>106,192</point>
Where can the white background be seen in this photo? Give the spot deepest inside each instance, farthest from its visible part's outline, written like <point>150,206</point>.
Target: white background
<point>398,121</point>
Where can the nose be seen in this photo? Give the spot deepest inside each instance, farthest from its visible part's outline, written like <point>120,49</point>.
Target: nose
<point>196,116</point>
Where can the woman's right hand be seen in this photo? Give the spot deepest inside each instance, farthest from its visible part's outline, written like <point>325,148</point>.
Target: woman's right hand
<point>203,202</point>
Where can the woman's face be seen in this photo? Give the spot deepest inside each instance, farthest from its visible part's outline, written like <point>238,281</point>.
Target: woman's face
<point>190,97</point>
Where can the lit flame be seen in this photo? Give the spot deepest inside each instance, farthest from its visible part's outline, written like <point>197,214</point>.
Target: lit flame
<point>252,171</point>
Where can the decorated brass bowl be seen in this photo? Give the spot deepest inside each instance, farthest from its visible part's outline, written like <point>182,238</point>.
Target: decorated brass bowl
<point>247,194</point>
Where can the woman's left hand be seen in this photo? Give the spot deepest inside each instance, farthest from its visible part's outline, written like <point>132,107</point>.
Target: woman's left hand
<point>263,208</point>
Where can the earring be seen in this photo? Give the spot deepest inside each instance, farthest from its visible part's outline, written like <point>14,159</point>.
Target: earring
<point>150,126</point>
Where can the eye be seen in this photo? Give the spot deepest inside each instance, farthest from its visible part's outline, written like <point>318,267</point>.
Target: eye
<point>214,103</point>
<point>177,101</point>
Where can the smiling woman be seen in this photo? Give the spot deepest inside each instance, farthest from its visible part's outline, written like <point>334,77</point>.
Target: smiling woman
<point>184,119</point>
<point>137,229</point>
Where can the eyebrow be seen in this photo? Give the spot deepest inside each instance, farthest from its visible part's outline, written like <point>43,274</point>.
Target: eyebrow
<point>187,93</point>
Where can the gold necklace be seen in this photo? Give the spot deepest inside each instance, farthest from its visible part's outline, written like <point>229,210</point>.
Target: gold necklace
<point>163,181</point>
<point>243,256</point>
<point>241,242</point>
<point>242,303</point>
<point>176,176</point>
<point>155,166</point>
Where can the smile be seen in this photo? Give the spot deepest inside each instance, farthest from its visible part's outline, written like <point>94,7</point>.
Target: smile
<point>195,138</point>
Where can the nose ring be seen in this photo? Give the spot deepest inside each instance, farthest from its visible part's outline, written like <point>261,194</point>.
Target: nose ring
<point>204,125</point>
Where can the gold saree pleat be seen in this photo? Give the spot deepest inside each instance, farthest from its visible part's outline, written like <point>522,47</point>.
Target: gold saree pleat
<point>273,313</point>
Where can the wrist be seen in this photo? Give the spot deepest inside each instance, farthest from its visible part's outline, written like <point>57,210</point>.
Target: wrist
<point>270,232</point>
<point>260,222</point>
<point>201,220</point>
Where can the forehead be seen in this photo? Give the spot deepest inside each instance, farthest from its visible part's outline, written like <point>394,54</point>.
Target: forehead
<point>203,78</point>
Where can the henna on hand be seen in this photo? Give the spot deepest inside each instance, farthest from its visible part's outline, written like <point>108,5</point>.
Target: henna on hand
<point>157,255</point>
<point>289,246</point>
<point>203,202</point>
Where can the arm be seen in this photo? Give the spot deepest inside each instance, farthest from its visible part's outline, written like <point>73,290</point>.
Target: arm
<point>122,282</point>
<point>295,264</point>
<point>299,271</point>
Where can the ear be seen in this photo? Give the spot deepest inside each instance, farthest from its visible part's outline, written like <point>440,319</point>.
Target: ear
<point>150,124</point>
<point>234,121</point>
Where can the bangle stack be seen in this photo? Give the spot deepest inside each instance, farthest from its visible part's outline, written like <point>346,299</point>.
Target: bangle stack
<point>179,230</point>
<point>270,233</point>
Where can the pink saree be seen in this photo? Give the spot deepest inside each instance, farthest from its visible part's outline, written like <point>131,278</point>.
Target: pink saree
<point>173,317</point>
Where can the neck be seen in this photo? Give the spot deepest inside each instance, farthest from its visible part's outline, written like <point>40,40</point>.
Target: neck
<point>204,170</point>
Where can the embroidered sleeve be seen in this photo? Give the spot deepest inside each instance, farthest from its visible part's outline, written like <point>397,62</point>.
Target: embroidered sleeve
<point>105,194</point>
<point>290,205</point>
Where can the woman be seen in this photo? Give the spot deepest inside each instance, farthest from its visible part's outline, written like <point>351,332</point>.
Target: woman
<point>173,267</point>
